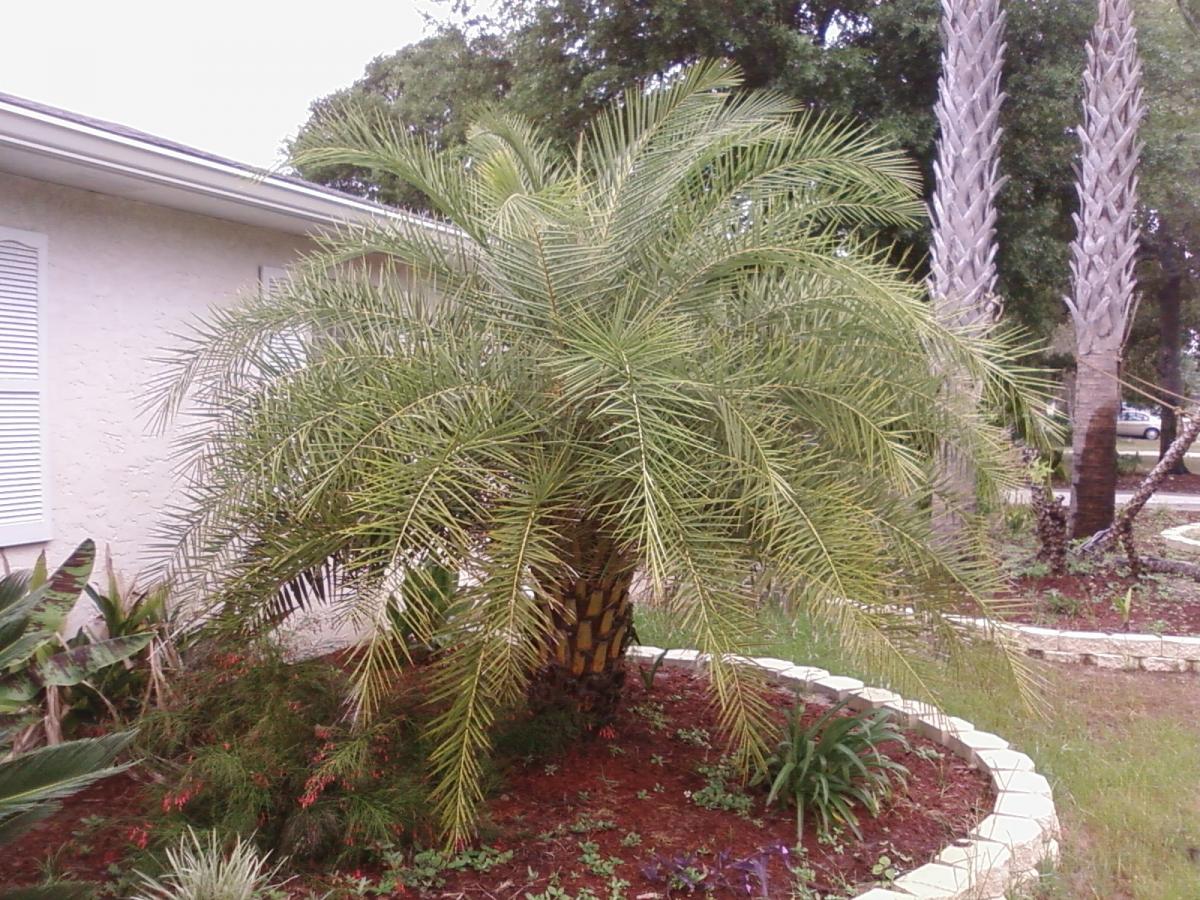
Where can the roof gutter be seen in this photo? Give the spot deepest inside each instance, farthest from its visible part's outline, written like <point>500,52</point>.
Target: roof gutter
<point>98,149</point>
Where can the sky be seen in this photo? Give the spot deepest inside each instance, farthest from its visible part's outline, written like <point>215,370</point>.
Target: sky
<point>230,78</point>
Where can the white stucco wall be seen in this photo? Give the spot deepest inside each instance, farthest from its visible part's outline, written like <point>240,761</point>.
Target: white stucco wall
<point>122,276</point>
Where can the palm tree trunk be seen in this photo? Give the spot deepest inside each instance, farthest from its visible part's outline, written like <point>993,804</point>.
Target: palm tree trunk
<point>1094,444</point>
<point>592,623</point>
<point>967,180</point>
<point>1103,288</point>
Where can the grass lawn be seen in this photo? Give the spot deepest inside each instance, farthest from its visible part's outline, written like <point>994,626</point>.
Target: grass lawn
<point>1121,749</point>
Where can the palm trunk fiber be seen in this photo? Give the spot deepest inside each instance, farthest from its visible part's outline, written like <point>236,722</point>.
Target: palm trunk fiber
<point>1094,444</point>
<point>593,618</point>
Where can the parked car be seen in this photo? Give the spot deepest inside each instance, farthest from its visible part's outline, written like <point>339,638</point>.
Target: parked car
<point>1135,423</point>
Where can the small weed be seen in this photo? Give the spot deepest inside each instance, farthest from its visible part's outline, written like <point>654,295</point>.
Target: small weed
<point>617,888</point>
<point>1123,606</point>
<point>643,795</point>
<point>550,768</point>
<point>426,866</point>
<point>1060,604</point>
<point>1077,565</point>
<point>649,673</point>
<point>657,760</point>
<point>929,754</point>
<point>585,824</point>
<point>616,750</point>
<point>884,870</point>
<point>653,713</point>
<point>1034,569</point>
<point>589,855</point>
<point>695,737</point>
<point>631,839</point>
<point>716,793</point>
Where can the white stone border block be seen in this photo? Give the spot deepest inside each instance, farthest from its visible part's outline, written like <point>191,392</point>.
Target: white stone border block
<point>1177,534</point>
<point>1102,649</point>
<point>1003,851</point>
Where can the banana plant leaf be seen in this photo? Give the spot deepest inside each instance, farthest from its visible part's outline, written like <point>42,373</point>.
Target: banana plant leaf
<point>13,587</point>
<point>16,692</point>
<point>59,593</point>
<point>18,652</point>
<point>78,664</point>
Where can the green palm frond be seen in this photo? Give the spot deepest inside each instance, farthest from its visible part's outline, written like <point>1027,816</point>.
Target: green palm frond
<point>686,335</point>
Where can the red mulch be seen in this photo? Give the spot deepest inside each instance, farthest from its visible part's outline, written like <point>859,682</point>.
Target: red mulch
<point>1172,484</point>
<point>67,840</point>
<point>1094,595</point>
<point>546,811</point>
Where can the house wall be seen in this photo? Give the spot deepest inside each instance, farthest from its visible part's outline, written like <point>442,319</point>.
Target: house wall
<point>123,276</point>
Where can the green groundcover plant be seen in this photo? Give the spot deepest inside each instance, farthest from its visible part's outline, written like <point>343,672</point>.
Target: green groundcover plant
<point>675,349</point>
<point>835,765</point>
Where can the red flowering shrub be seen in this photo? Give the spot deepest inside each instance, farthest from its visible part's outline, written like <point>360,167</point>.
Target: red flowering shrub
<point>257,744</point>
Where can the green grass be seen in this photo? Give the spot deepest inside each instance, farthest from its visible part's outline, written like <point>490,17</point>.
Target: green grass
<point>1122,751</point>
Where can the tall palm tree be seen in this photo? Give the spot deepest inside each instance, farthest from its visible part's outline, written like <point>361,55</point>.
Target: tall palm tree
<point>967,180</point>
<point>674,352</point>
<point>1103,288</point>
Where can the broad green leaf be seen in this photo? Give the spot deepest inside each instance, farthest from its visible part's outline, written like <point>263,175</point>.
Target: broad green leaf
<point>81,663</point>
<point>38,576</point>
<point>59,593</point>
<point>13,587</point>
<point>16,691</point>
<point>20,651</point>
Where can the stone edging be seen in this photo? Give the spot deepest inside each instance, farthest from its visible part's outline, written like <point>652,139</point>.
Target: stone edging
<point>1176,534</point>
<point>1003,851</point>
<point>1106,650</point>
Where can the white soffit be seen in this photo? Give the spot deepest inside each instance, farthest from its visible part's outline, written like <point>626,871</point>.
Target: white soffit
<point>54,145</point>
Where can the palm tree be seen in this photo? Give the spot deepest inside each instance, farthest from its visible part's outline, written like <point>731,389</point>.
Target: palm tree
<point>674,352</point>
<point>1103,288</point>
<point>967,180</point>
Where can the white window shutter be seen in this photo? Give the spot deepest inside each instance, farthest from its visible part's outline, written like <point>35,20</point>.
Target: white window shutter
<point>24,472</point>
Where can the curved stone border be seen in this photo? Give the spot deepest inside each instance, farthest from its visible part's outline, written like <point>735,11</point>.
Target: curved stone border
<point>1175,534</point>
<point>1003,851</point>
<point>1104,649</point>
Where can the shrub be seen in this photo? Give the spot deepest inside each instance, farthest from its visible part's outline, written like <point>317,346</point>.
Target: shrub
<point>833,765</point>
<point>201,870</point>
<point>1127,463</point>
<point>256,744</point>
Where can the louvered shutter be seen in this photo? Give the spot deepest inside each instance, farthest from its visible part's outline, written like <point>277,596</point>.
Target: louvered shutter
<point>24,485</point>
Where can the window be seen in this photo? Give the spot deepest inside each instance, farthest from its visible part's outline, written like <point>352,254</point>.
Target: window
<point>24,482</point>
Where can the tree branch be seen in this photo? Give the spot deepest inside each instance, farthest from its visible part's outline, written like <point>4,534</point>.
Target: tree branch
<point>1123,524</point>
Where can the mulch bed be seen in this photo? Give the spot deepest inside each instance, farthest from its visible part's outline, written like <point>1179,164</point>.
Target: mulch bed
<point>1086,603</point>
<point>1172,484</point>
<point>637,779</point>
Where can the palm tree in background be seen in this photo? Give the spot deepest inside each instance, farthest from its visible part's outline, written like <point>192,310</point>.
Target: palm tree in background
<point>1103,288</point>
<point>675,353</point>
<point>967,180</point>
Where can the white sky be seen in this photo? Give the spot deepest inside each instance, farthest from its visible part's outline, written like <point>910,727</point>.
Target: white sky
<point>231,78</point>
